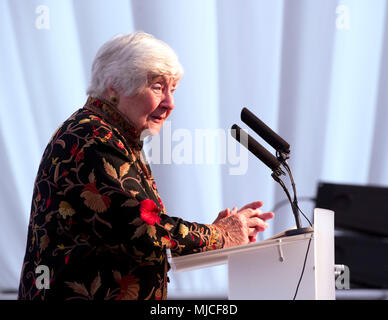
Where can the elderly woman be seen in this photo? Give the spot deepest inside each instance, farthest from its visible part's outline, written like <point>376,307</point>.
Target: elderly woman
<point>98,226</point>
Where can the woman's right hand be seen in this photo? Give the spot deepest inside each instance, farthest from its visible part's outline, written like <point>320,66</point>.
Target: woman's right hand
<point>240,227</point>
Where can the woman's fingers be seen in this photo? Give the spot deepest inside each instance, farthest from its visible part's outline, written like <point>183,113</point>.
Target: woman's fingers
<point>241,226</point>
<point>252,232</point>
<point>253,238</point>
<point>259,214</point>
<point>253,205</point>
<point>257,224</point>
<point>250,213</point>
<point>266,216</point>
<point>222,215</point>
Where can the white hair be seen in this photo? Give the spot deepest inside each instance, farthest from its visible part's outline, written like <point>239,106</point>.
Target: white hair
<point>126,63</point>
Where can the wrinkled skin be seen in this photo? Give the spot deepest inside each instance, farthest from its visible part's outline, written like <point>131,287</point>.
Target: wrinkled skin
<point>240,227</point>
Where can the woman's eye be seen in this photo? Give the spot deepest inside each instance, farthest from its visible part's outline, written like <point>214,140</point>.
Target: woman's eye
<point>156,87</point>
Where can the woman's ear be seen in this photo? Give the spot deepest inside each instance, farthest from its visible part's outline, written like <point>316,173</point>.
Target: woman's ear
<point>112,95</point>
<point>112,92</point>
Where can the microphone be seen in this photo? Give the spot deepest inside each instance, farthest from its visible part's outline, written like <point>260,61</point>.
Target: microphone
<point>257,149</point>
<point>264,131</point>
<point>282,149</point>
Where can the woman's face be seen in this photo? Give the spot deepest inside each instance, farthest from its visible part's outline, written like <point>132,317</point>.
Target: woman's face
<point>149,108</point>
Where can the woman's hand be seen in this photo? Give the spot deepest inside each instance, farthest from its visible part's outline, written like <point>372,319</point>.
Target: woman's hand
<point>241,226</point>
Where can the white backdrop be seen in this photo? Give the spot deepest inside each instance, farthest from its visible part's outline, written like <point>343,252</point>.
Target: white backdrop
<point>313,70</point>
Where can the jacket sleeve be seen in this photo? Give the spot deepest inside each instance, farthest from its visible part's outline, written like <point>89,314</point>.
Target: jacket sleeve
<point>122,202</point>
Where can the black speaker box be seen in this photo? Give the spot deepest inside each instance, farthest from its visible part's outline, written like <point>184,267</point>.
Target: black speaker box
<point>361,223</point>
<point>366,256</point>
<point>359,208</point>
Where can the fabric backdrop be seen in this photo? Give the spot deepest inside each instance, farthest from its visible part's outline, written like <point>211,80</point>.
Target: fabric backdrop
<point>314,71</point>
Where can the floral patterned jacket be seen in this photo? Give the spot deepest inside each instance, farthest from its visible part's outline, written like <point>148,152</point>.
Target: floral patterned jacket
<point>97,221</point>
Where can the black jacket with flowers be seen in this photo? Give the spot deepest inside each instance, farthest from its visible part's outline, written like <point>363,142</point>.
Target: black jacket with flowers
<point>97,221</point>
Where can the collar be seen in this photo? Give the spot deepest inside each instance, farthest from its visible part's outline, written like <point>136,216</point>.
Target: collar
<point>109,113</point>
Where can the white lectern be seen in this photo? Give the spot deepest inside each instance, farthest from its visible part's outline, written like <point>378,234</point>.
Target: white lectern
<point>271,269</point>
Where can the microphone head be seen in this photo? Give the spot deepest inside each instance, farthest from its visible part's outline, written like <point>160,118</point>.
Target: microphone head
<point>256,148</point>
<point>264,131</point>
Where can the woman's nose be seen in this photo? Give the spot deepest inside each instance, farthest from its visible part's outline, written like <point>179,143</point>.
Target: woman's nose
<point>168,101</point>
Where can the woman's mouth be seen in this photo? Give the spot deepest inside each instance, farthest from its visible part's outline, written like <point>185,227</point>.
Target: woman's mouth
<point>157,118</point>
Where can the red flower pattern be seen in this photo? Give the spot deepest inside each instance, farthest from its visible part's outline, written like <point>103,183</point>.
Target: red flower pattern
<point>120,145</point>
<point>79,155</point>
<point>129,287</point>
<point>149,212</point>
<point>96,133</point>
